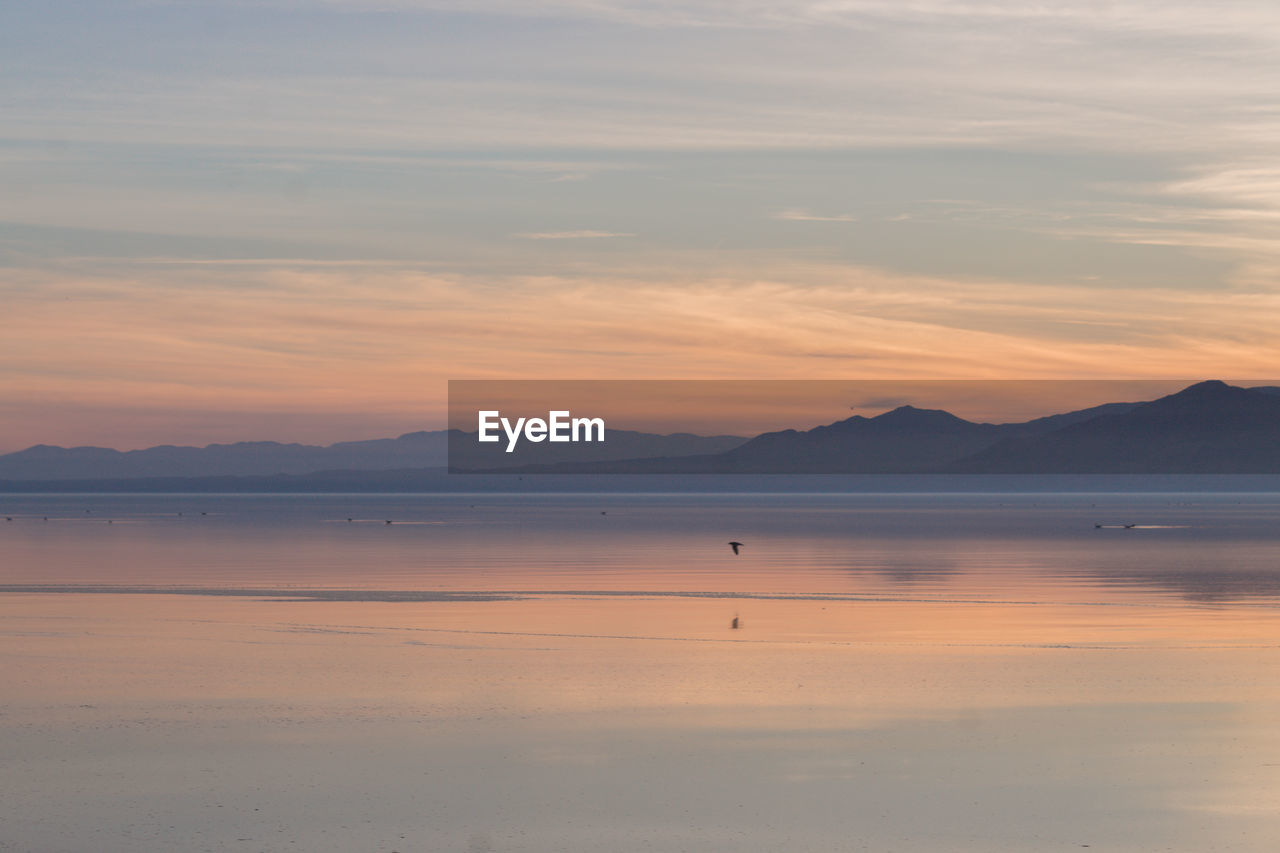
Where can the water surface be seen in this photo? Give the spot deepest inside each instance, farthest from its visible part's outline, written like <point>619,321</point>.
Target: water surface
<point>558,672</point>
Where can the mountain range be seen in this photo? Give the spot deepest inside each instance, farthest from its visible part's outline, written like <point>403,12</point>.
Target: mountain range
<point>1209,427</point>
<point>414,450</point>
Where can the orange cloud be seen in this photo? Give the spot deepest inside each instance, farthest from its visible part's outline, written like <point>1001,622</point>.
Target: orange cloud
<point>333,341</point>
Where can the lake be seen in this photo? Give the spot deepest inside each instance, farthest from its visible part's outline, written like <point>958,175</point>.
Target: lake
<point>911,672</point>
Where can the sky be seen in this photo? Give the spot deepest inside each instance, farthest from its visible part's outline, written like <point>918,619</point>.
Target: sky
<point>298,219</point>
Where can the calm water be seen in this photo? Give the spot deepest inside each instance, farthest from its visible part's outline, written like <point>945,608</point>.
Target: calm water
<point>558,673</point>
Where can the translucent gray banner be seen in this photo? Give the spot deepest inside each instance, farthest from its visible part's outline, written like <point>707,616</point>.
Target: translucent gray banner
<point>864,427</point>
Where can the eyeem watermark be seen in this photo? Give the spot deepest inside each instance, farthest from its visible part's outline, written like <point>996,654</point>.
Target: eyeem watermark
<point>558,426</point>
<point>874,427</point>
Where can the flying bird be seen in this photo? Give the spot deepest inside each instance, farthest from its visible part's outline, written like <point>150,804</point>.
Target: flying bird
<point>735,546</point>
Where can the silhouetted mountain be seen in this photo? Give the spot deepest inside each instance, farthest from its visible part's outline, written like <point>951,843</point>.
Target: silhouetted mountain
<point>1209,427</point>
<point>906,440</point>
<point>246,458</point>
<point>1052,422</point>
<point>265,458</point>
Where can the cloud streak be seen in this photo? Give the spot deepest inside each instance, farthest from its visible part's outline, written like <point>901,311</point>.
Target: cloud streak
<point>571,235</point>
<point>388,197</point>
<point>320,341</point>
<point>1174,77</point>
<point>800,215</point>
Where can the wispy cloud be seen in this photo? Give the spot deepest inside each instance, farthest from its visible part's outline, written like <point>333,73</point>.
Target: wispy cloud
<point>324,340</point>
<point>800,215</point>
<point>1084,146</point>
<point>1176,76</point>
<point>1138,16</point>
<point>571,235</point>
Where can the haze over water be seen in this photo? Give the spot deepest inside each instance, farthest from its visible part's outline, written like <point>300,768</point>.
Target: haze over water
<point>558,672</point>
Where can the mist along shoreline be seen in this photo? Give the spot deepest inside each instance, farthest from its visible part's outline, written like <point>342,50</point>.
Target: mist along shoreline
<point>438,481</point>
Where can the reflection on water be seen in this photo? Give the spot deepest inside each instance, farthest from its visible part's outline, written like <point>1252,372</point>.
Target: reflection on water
<point>558,673</point>
<point>1218,548</point>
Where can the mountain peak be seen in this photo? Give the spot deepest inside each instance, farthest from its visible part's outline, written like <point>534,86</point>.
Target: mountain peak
<point>1212,395</point>
<point>911,416</point>
<point>1208,387</point>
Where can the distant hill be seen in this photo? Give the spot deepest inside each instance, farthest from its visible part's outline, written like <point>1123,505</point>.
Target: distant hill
<point>265,458</point>
<point>906,440</point>
<point>1210,428</point>
<point>246,458</point>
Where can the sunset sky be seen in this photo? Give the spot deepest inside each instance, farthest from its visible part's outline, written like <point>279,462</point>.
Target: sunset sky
<point>296,220</point>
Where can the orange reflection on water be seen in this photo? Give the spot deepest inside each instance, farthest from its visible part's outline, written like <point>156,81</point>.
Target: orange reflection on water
<point>587,653</point>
